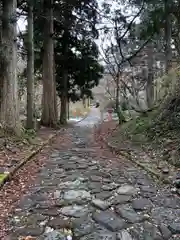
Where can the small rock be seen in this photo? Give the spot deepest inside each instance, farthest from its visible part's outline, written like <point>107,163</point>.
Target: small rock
<point>2,170</point>
<point>123,235</point>
<point>173,190</point>
<point>178,175</point>
<point>177,183</point>
<point>57,194</point>
<point>161,165</point>
<point>48,229</point>
<point>127,190</point>
<point>14,161</point>
<point>103,205</point>
<point>178,191</point>
<point>165,170</point>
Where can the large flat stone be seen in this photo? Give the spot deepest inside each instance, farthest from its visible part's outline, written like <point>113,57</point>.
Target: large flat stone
<point>127,190</point>
<point>142,204</point>
<point>128,214</point>
<point>103,195</point>
<point>74,211</point>
<point>72,195</point>
<point>109,220</point>
<point>103,205</point>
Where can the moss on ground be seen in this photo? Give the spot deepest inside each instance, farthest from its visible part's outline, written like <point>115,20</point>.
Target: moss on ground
<point>2,177</point>
<point>138,129</point>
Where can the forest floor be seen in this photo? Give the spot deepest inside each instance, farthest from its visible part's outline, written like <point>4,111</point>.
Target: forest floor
<point>159,155</point>
<point>77,188</point>
<point>12,155</point>
<point>13,150</point>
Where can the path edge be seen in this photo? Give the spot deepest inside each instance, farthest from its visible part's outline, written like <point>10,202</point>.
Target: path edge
<point>127,155</point>
<point>28,158</point>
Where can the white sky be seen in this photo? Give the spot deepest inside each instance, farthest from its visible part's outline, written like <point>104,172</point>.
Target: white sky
<point>21,24</point>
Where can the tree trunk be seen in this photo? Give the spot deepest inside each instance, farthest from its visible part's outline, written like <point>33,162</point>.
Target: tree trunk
<point>150,78</point>
<point>9,107</point>
<point>168,35</point>
<point>120,115</point>
<point>68,108</point>
<point>30,70</point>
<point>84,101</point>
<point>64,99</point>
<point>64,93</point>
<point>49,106</point>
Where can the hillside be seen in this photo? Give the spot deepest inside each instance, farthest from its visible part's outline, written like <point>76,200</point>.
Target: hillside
<point>156,134</point>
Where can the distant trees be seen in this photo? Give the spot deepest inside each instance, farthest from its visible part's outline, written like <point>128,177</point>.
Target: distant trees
<point>59,46</point>
<point>138,47</point>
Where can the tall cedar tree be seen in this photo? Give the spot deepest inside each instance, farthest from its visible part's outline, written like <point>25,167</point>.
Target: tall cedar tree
<point>76,54</point>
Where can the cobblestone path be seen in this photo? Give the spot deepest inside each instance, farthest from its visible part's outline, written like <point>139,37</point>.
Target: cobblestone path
<point>97,200</point>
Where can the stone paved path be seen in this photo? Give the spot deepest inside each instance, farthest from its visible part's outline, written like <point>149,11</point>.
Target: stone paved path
<point>96,199</point>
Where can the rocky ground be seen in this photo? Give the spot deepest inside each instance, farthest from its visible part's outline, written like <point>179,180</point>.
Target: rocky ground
<point>84,192</point>
<point>77,189</point>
